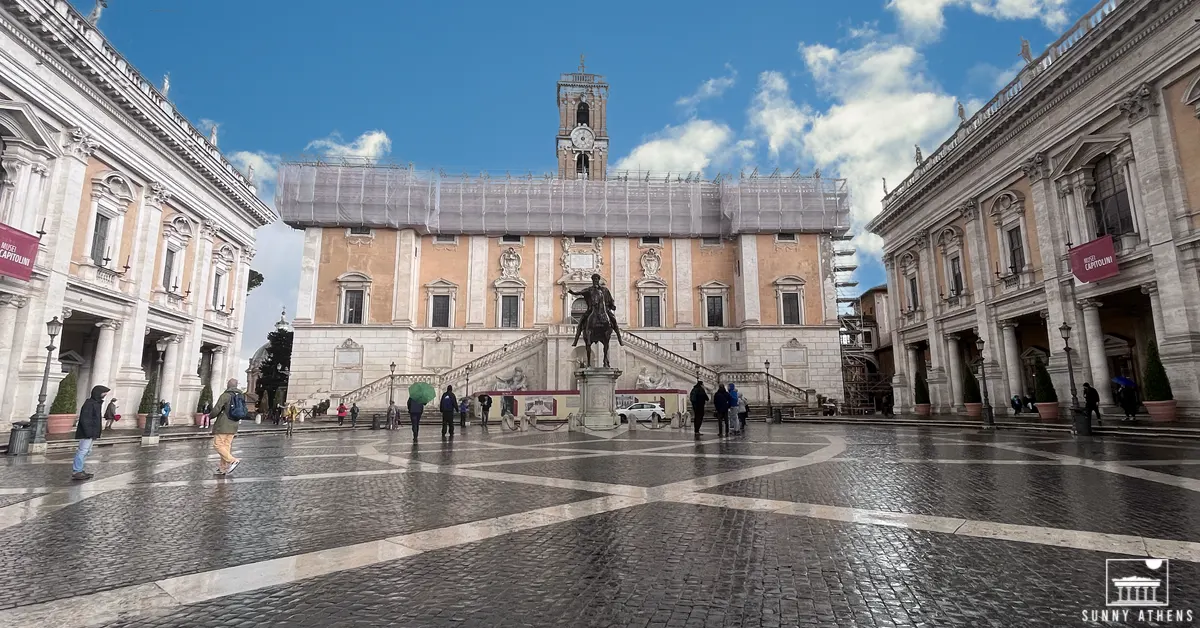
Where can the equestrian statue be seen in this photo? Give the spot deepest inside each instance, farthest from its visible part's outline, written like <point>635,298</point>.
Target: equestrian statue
<point>598,324</point>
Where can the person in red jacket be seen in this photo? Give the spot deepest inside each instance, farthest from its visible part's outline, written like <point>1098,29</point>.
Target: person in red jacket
<point>341,413</point>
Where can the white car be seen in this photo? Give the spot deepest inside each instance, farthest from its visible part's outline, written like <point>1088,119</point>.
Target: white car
<point>641,412</point>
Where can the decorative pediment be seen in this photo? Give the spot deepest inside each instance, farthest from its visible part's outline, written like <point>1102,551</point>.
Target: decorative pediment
<point>1191,95</point>
<point>224,257</point>
<point>110,185</point>
<point>19,125</point>
<point>179,228</point>
<point>441,286</point>
<point>908,260</point>
<point>1086,150</point>
<point>789,281</point>
<point>349,344</point>
<point>792,344</point>
<point>1007,203</point>
<point>509,283</point>
<point>646,283</point>
<point>949,237</point>
<point>713,286</point>
<point>353,277</point>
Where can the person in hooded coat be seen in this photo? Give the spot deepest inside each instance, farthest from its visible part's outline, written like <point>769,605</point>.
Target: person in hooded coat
<point>90,425</point>
<point>698,397</point>
<point>721,403</point>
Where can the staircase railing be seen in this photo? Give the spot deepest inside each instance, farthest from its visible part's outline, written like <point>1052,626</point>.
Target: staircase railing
<point>669,356</point>
<point>756,377</point>
<point>399,380</point>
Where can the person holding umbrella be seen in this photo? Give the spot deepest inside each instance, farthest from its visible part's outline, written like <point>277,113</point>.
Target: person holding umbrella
<point>419,394</point>
<point>1127,397</point>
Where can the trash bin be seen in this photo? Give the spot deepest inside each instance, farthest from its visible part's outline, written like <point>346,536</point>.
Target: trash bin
<point>1083,423</point>
<point>778,416</point>
<point>19,438</point>
<point>375,421</point>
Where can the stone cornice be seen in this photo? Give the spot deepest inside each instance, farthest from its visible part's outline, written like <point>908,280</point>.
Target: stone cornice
<point>69,44</point>
<point>1044,92</point>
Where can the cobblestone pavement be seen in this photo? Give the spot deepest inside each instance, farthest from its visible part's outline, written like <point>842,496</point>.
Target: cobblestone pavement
<point>816,525</point>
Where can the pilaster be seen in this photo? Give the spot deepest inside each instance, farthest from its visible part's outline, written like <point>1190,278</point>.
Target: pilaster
<point>306,298</point>
<point>477,284</point>
<point>682,279</point>
<point>543,309</point>
<point>748,282</point>
<point>621,287</point>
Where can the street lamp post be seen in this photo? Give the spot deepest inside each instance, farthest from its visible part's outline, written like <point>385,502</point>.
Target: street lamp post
<point>391,385</point>
<point>467,386</point>
<point>39,419</point>
<point>150,429</point>
<point>1065,331</point>
<point>767,382</point>
<point>989,421</point>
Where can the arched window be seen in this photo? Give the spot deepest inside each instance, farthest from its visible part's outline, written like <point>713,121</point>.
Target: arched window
<point>581,166</point>
<point>1110,201</point>
<point>582,114</point>
<point>578,307</point>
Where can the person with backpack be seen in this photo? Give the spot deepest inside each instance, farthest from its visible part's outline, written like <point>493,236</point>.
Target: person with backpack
<point>448,406</point>
<point>228,413</point>
<point>698,397</point>
<point>341,413</point>
<point>464,410</point>
<point>354,414</point>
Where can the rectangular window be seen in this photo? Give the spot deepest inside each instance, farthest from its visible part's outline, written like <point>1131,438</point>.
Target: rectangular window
<point>914,292</point>
<point>445,239</point>
<point>360,231</point>
<point>1016,250</point>
<point>956,279</point>
<point>441,310</point>
<point>716,311</point>
<point>218,284</point>
<point>710,241</point>
<point>100,239</point>
<point>168,268</point>
<point>651,240</point>
<point>353,312</point>
<point>791,308</point>
<point>583,239</point>
<point>510,239</point>
<point>652,311</point>
<point>866,338</point>
<point>785,237</point>
<point>510,306</point>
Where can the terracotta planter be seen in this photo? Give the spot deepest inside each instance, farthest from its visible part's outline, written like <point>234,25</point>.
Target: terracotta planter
<point>974,409</point>
<point>198,418</point>
<point>1160,411</point>
<point>1048,411</point>
<point>60,424</point>
<point>923,409</point>
<point>141,422</point>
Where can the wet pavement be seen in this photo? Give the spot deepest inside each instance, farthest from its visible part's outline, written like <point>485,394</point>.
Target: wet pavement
<point>791,525</point>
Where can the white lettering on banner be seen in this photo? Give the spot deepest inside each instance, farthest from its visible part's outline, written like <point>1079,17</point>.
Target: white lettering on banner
<point>1090,262</point>
<point>9,252</point>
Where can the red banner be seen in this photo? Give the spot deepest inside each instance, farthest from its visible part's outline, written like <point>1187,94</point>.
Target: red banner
<point>17,252</point>
<point>1095,260</point>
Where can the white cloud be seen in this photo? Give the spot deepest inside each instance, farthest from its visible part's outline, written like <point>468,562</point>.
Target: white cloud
<point>265,166</point>
<point>712,88</point>
<point>775,116</point>
<point>925,19</point>
<point>369,145</point>
<point>689,147</point>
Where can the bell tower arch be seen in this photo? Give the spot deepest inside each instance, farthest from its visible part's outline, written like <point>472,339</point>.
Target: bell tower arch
<point>582,141</point>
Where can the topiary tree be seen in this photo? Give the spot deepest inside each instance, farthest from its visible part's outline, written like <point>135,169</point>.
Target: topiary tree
<point>921,390</point>
<point>1043,386</point>
<point>64,401</point>
<point>1156,385</point>
<point>971,393</point>
<point>205,398</point>
<point>149,395</point>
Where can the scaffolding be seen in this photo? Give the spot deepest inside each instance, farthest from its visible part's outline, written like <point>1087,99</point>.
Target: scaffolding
<point>863,387</point>
<point>626,203</point>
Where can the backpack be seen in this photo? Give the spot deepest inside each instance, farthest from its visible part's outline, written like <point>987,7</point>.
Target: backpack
<point>448,403</point>
<point>237,407</point>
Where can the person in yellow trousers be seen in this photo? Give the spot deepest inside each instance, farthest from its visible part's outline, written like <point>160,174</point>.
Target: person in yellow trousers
<point>227,414</point>
<point>293,413</point>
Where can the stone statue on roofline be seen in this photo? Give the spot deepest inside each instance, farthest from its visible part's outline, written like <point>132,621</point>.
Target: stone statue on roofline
<point>1026,52</point>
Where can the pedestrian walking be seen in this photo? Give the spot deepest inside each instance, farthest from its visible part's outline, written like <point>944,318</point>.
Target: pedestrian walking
<point>889,406</point>
<point>743,411</point>
<point>205,412</point>
<point>354,414</point>
<point>88,431</point>
<point>414,415</point>
<point>228,413</point>
<point>1015,402</point>
<point>393,416</point>
<point>341,413</point>
<point>1128,398</point>
<point>110,414</point>
<point>721,404</point>
<point>464,409</point>
<point>293,413</point>
<point>1091,402</point>
<point>165,412</point>
<point>698,397</point>
<point>448,405</point>
<point>485,406</point>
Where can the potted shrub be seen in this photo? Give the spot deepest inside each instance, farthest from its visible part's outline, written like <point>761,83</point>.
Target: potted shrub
<point>146,406</point>
<point>921,395</point>
<point>1156,388</point>
<point>972,397</point>
<point>63,412</point>
<point>205,399</point>
<point>1045,398</point>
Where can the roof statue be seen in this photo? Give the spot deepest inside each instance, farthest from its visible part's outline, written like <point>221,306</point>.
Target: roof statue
<point>1026,53</point>
<point>962,112</point>
<point>94,17</point>
<point>885,186</point>
<point>582,68</point>
<point>918,156</point>
<point>212,135</point>
<point>166,85</point>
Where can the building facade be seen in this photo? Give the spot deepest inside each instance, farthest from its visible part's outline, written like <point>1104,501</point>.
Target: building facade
<point>1089,161</point>
<point>467,280</point>
<point>146,232</point>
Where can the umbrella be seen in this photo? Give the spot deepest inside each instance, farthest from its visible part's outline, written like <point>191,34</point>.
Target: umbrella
<point>1124,381</point>
<point>421,392</point>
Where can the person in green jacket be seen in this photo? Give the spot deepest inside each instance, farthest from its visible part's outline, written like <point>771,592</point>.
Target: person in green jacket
<point>227,413</point>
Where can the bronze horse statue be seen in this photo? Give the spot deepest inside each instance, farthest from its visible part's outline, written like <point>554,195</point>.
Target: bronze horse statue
<point>597,330</point>
<point>598,323</point>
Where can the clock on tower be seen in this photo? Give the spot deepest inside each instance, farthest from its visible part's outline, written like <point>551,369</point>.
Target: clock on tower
<point>582,141</point>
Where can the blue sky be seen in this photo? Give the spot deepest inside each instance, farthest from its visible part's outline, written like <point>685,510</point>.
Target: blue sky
<point>847,87</point>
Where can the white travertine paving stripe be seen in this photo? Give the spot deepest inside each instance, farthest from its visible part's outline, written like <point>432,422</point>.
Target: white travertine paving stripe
<point>496,463</point>
<point>1118,468</point>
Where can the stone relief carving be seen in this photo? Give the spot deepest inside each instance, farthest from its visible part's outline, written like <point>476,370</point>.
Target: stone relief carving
<point>516,381</point>
<point>647,381</point>
<point>510,264</point>
<point>157,194</point>
<point>80,144</point>
<point>578,264</point>
<point>1036,167</point>
<point>349,344</point>
<point>969,209</point>
<point>1138,103</point>
<point>651,263</point>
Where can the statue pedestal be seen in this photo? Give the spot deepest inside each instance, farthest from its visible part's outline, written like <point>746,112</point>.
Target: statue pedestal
<point>597,397</point>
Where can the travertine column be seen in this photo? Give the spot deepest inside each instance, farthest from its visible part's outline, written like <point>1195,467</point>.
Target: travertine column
<point>170,375</point>
<point>956,371</point>
<point>1095,343</point>
<point>9,305</point>
<point>912,362</point>
<point>1151,289</point>
<point>1012,358</point>
<point>103,359</point>
<point>219,375</point>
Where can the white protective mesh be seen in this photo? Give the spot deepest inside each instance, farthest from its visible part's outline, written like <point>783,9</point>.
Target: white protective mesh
<point>319,194</point>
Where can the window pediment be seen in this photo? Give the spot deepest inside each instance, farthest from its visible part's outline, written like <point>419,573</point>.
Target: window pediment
<point>646,283</point>
<point>789,281</point>
<point>1085,150</point>
<point>1191,96</point>
<point>509,283</point>
<point>353,277</point>
<point>19,125</point>
<point>223,258</point>
<point>113,187</point>
<point>441,286</point>
<point>1008,204</point>
<point>950,238</point>
<point>179,229</point>
<point>713,287</point>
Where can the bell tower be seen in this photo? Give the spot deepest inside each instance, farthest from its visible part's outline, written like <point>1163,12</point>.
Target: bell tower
<point>582,141</point>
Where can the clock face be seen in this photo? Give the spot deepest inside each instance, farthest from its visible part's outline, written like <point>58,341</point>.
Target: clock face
<point>582,137</point>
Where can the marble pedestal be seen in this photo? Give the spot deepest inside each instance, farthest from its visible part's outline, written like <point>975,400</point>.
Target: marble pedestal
<point>597,397</point>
